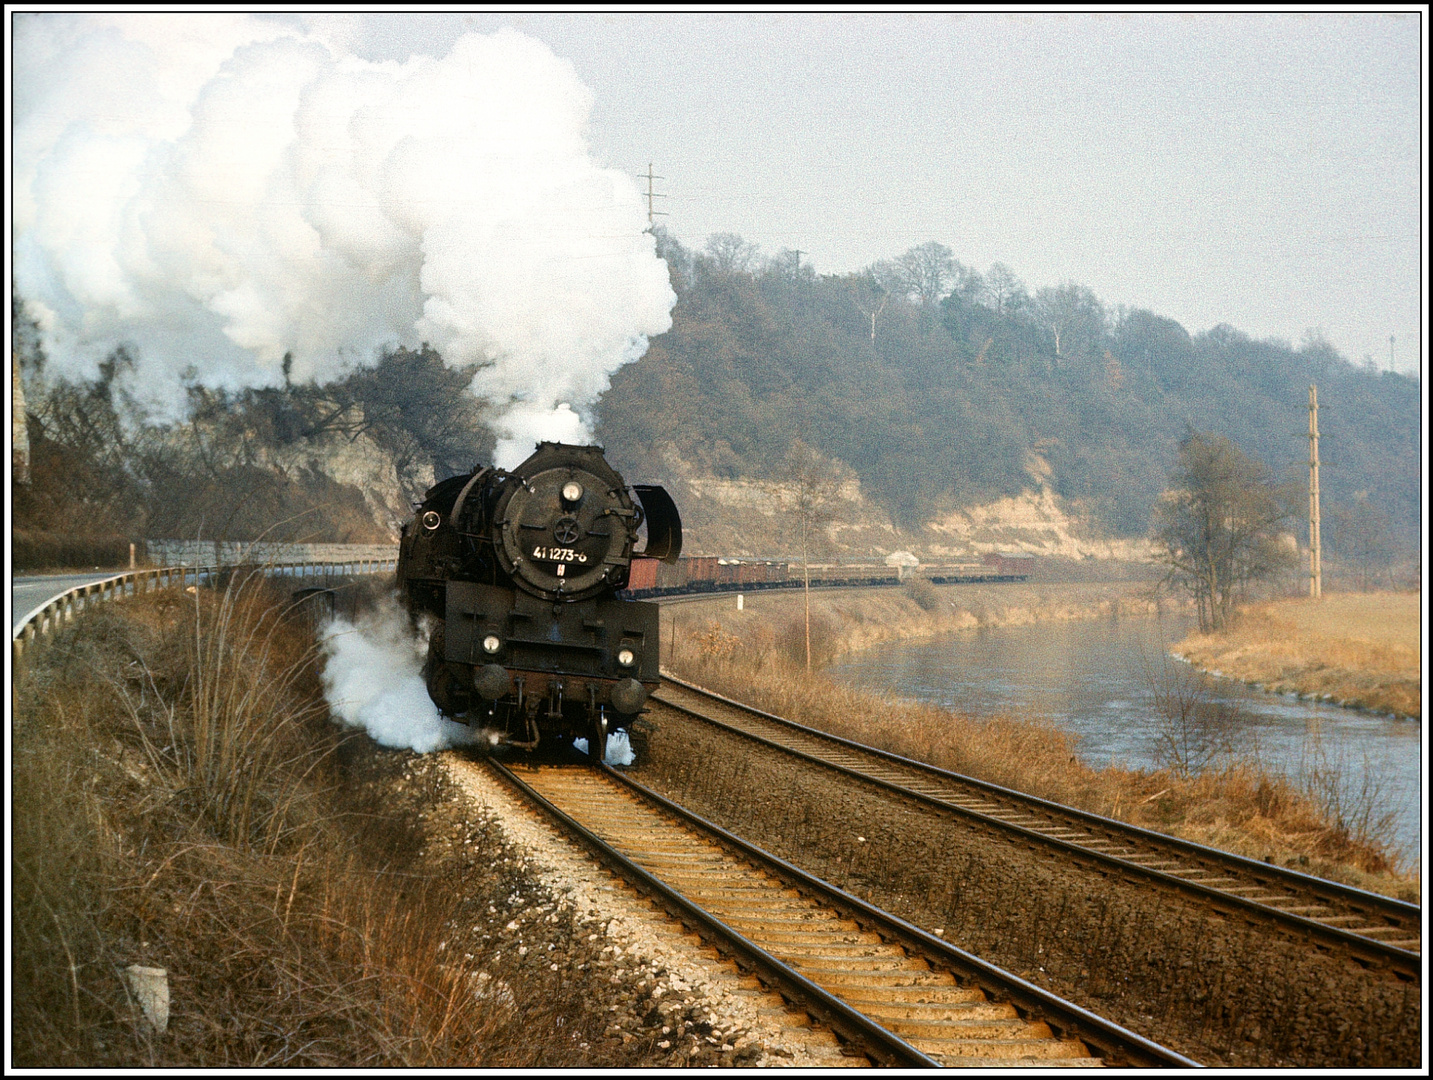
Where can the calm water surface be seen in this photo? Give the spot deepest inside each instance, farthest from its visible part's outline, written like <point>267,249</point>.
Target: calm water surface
<point>1094,679</point>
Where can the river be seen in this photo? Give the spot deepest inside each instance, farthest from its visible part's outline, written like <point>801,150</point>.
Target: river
<point>1096,679</point>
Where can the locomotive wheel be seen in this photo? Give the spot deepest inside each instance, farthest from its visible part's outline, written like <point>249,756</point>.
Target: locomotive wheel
<point>597,741</point>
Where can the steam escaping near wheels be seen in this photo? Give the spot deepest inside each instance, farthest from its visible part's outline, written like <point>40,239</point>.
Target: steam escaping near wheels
<point>619,749</point>
<point>519,578</point>
<point>373,679</point>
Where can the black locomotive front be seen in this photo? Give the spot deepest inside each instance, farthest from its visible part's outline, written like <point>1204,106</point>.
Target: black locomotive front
<point>517,575</point>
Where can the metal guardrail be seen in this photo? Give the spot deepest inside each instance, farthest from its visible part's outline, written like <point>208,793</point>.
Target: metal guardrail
<point>255,552</point>
<point>62,609</point>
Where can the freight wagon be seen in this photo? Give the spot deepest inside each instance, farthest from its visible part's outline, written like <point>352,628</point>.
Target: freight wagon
<point>705,573</point>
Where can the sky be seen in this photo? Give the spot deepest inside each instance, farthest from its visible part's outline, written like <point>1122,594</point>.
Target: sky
<point>1260,170</point>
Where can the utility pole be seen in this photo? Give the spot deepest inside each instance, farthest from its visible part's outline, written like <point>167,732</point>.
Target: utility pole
<point>875,310</point>
<point>1316,576</point>
<point>806,575</point>
<point>652,214</point>
<point>796,254</point>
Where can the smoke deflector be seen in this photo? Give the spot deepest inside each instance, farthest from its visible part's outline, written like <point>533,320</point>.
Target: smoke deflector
<point>664,524</point>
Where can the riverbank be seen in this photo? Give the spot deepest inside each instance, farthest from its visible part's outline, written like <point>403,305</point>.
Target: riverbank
<point>847,620</point>
<point>1359,650</point>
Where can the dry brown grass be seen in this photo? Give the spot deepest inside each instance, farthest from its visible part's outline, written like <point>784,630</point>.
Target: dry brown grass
<point>1241,807</point>
<point>181,801</point>
<point>1359,649</point>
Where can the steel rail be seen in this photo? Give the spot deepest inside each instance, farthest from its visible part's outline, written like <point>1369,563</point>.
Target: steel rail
<point>853,1026</point>
<point>1403,962</point>
<point>1118,1044</point>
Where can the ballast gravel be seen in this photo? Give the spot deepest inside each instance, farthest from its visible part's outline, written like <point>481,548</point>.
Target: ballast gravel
<point>668,988</point>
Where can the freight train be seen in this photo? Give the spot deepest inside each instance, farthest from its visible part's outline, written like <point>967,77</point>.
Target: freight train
<point>519,578</point>
<point>706,574</point>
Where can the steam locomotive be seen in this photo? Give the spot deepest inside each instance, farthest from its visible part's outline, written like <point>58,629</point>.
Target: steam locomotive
<point>516,574</point>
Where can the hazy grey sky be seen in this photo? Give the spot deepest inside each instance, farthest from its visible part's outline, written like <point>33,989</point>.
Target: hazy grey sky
<point>1257,169</point>
<point>1262,170</point>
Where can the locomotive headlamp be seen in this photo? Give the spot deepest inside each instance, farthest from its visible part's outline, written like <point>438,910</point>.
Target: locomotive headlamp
<point>571,491</point>
<point>492,643</point>
<point>431,520</point>
<point>626,658</point>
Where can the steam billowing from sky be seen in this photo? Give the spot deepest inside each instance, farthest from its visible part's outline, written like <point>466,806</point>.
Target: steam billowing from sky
<point>216,191</point>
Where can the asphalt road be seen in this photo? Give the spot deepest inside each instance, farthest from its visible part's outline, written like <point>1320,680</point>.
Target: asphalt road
<point>27,593</point>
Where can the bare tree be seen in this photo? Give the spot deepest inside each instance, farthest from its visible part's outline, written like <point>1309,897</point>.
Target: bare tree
<point>728,253</point>
<point>411,404</point>
<point>870,298</point>
<point>967,283</point>
<point>1217,527</point>
<point>1363,539</point>
<point>927,273</point>
<point>1192,728</point>
<point>1072,315</point>
<point>1004,290</point>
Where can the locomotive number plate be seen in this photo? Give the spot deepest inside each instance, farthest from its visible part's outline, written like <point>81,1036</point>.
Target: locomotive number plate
<point>557,554</point>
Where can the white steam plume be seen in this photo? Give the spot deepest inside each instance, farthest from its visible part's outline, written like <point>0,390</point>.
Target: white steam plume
<point>216,191</point>
<point>373,679</point>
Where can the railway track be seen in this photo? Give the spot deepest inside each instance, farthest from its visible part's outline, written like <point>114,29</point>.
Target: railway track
<point>1373,930</point>
<point>899,995</point>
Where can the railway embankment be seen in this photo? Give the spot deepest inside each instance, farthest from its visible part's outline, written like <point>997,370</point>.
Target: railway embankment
<point>1359,650</point>
<point>756,655</point>
<point>1218,989</point>
<point>183,803</point>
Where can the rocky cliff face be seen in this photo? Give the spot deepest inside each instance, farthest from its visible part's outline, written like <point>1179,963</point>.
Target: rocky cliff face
<point>756,518</point>
<point>360,464</point>
<point>19,432</point>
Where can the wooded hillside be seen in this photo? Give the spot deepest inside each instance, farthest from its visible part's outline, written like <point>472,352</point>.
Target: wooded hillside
<point>938,385</point>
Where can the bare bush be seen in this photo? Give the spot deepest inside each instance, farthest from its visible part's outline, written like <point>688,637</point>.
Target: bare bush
<point>182,801</point>
<point>923,593</point>
<point>1225,800</point>
<point>1354,798</point>
<point>1194,730</point>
